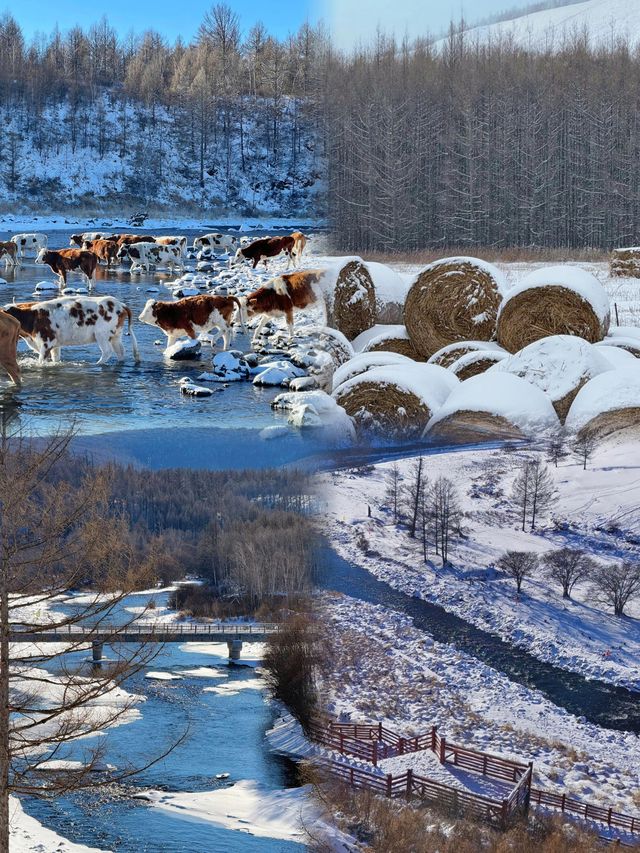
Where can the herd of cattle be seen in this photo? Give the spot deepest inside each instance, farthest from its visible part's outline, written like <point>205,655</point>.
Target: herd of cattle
<point>80,320</point>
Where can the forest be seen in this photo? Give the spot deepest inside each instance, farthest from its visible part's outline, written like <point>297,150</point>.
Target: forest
<point>226,121</point>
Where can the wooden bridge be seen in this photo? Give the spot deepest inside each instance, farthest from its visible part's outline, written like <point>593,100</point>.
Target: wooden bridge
<point>234,634</point>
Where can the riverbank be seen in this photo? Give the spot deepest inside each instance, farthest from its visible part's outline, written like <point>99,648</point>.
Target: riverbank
<point>597,510</point>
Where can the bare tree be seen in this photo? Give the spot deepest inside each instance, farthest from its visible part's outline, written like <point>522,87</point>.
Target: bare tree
<point>616,584</point>
<point>518,565</point>
<point>445,515</point>
<point>521,492</point>
<point>392,492</point>
<point>52,533</point>
<point>567,566</point>
<point>412,493</point>
<point>543,490</point>
<point>584,446</point>
<point>557,447</point>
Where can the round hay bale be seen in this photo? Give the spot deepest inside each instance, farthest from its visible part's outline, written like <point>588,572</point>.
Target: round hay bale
<point>455,299</point>
<point>616,356</point>
<point>607,404</point>
<point>625,337</point>
<point>391,292</point>
<point>351,298</point>
<point>396,401</point>
<point>493,405</point>
<point>474,363</point>
<point>393,339</point>
<point>362,362</point>
<point>328,340</point>
<point>625,263</point>
<point>552,301</point>
<point>559,366</point>
<point>446,356</point>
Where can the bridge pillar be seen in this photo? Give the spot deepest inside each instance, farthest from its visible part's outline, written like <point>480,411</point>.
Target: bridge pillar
<point>96,650</point>
<point>235,649</point>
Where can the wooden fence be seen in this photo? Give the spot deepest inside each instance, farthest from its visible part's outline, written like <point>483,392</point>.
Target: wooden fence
<point>373,742</point>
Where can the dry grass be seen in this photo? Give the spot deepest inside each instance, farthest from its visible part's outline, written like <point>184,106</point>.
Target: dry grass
<point>540,312</point>
<point>451,301</point>
<point>513,254</point>
<point>353,304</point>
<point>384,408</point>
<point>465,427</point>
<point>475,363</point>
<point>399,345</point>
<point>608,423</point>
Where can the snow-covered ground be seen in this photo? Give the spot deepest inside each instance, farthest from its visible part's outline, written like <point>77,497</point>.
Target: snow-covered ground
<point>595,510</point>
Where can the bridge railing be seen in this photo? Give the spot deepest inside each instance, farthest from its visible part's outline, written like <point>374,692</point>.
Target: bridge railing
<point>186,629</point>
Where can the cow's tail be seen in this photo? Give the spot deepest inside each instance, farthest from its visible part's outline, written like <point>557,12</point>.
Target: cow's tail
<point>134,341</point>
<point>242,313</point>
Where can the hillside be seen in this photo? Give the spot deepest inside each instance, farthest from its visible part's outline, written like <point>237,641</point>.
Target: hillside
<point>603,20</point>
<point>113,154</point>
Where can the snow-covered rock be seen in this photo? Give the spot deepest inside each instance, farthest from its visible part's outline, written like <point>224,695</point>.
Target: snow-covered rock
<point>317,410</point>
<point>277,373</point>
<point>190,389</point>
<point>187,350</point>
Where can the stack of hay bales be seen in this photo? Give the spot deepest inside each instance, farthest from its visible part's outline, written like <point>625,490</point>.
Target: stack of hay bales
<point>559,300</point>
<point>362,362</point>
<point>473,363</point>
<point>350,297</point>
<point>625,263</point>
<point>452,300</point>
<point>395,401</point>
<point>392,339</point>
<point>446,356</point>
<point>493,405</point>
<point>559,366</point>
<point>607,404</point>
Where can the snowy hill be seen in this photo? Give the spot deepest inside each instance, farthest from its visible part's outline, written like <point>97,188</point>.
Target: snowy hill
<point>605,21</point>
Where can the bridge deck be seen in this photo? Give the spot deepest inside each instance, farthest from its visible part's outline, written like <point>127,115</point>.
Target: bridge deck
<point>217,632</point>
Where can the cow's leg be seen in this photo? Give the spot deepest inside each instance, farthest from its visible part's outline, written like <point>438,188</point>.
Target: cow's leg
<point>263,321</point>
<point>289,316</point>
<point>106,350</point>
<point>225,336</point>
<point>116,343</point>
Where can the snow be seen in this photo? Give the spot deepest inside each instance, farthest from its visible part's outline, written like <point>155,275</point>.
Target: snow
<point>491,346</point>
<point>618,389</point>
<point>491,269</point>
<point>555,365</point>
<point>378,332</point>
<point>277,373</point>
<point>183,350</point>
<point>317,410</point>
<point>573,278</point>
<point>163,676</point>
<point>386,333</point>
<point>615,355</point>
<point>389,286</point>
<point>247,807</point>
<point>602,20</point>
<point>431,383</point>
<point>501,395</point>
<point>597,510</point>
<point>362,362</point>
<point>27,835</point>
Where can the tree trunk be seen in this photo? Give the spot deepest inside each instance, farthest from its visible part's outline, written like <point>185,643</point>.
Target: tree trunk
<point>4,711</point>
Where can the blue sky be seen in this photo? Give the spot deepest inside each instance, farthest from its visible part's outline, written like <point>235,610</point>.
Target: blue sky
<point>350,20</point>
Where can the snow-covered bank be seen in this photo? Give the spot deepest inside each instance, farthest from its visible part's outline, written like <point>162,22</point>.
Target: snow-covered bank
<point>384,669</point>
<point>597,510</point>
<point>27,835</point>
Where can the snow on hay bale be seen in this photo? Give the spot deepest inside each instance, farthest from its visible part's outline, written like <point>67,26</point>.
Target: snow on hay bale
<point>391,292</point>
<point>616,356</point>
<point>455,299</point>
<point>362,362</point>
<point>625,263</point>
<point>476,362</point>
<point>493,405</point>
<point>559,365</point>
<point>446,356</point>
<point>350,297</point>
<point>624,337</point>
<point>397,400</point>
<point>561,300</point>
<point>393,339</point>
<point>607,404</point>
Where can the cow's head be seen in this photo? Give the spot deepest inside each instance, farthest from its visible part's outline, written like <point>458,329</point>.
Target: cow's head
<point>41,256</point>
<point>123,252</point>
<point>76,240</point>
<point>148,314</point>
<point>237,259</point>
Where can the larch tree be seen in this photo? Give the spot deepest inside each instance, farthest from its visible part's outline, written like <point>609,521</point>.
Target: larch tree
<point>567,567</point>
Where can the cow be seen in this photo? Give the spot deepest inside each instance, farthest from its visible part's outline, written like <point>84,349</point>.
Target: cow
<point>29,242</point>
<point>263,249</point>
<point>180,242</point>
<point>299,242</point>
<point>143,256</point>
<point>9,252</point>
<point>215,241</point>
<point>9,333</point>
<point>64,261</point>
<point>75,321</point>
<point>130,239</point>
<point>106,250</point>
<point>88,236</point>
<point>282,295</point>
<point>193,315</point>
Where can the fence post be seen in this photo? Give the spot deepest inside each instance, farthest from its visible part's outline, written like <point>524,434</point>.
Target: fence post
<point>375,753</point>
<point>389,784</point>
<point>609,816</point>
<point>505,813</point>
<point>527,799</point>
<point>442,749</point>
<point>341,743</point>
<point>409,783</point>
<point>562,801</point>
<point>401,746</point>
<point>380,731</point>
<point>434,734</point>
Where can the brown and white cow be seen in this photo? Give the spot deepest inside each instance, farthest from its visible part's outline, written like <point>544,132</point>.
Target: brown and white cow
<point>263,249</point>
<point>9,333</point>
<point>281,296</point>
<point>87,236</point>
<point>143,256</point>
<point>106,250</point>
<point>9,253</point>
<point>130,239</point>
<point>299,243</point>
<point>74,321</point>
<point>29,242</point>
<point>180,242</point>
<point>215,241</point>
<point>193,316</point>
<point>64,261</point>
